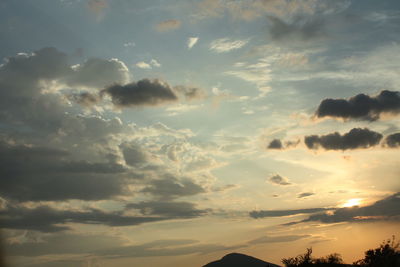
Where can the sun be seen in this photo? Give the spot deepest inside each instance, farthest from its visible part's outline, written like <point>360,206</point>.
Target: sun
<point>352,202</point>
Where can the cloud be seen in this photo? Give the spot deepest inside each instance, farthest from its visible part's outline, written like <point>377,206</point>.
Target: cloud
<point>134,155</point>
<point>279,180</point>
<point>385,209</point>
<point>275,144</point>
<point>356,138</point>
<point>278,239</point>
<point>191,42</point>
<point>191,93</point>
<point>170,187</point>
<point>168,25</point>
<point>32,173</point>
<point>303,28</point>
<point>97,6</point>
<point>48,219</point>
<point>224,45</point>
<point>361,106</point>
<point>282,213</point>
<point>305,194</point>
<point>168,208</point>
<point>142,93</point>
<point>85,99</point>
<point>98,73</point>
<point>143,65</point>
<point>392,140</point>
<point>150,65</point>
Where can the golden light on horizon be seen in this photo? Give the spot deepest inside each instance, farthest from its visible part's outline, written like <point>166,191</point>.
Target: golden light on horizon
<point>352,202</point>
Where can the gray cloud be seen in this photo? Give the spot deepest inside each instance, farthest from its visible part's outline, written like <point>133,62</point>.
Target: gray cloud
<point>278,239</point>
<point>279,180</point>
<point>142,93</point>
<point>301,28</point>
<point>356,138</point>
<point>85,98</point>
<point>170,187</point>
<point>191,93</point>
<point>305,194</point>
<point>385,209</point>
<point>393,140</point>
<point>47,219</point>
<point>361,106</point>
<point>134,155</point>
<point>281,213</point>
<point>275,144</point>
<point>39,173</point>
<point>169,209</point>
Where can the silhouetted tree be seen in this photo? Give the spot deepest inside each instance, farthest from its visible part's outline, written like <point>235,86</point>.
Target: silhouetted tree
<point>386,255</point>
<point>306,260</point>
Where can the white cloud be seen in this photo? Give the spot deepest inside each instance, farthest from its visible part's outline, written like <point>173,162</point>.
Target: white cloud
<point>224,45</point>
<point>150,65</point>
<point>143,65</point>
<point>191,42</point>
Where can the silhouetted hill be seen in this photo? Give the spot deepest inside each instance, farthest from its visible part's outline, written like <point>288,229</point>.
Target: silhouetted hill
<point>239,260</point>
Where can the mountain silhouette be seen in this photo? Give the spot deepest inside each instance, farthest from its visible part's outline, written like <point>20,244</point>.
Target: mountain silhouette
<point>239,260</point>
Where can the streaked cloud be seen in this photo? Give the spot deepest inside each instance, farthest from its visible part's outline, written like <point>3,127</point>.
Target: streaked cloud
<point>192,41</point>
<point>279,180</point>
<point>225,45</point>
<point>168,25</point>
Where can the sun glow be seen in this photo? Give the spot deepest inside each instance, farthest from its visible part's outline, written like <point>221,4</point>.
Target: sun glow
<point>352,202</point>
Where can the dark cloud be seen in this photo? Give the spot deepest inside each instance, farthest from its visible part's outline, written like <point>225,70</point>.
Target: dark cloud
<point>279,180</point>
<point>30,173</point>
<point>142,93</point>
<point>301,28</point>
<point>278,144</point>
<point>166,208</point>
<point>48,219</point>
<point>393,140</point>
<point>191,93</point>
<point>361,106</point>
<point>275,144</point>
<point>385,209</point>
<point>305,194</point>
<point>356,138</point>
<point>170,187</point>
<point>134,155</point>
<point>278,239</point>
<point>281,213</point>
<point>85,99</point>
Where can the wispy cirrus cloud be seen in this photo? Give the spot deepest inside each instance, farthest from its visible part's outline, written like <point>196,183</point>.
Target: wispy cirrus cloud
<point>224,45</point>
<point>168,25</point>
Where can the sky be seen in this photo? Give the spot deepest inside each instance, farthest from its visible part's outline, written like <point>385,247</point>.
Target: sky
<point>170,133</point>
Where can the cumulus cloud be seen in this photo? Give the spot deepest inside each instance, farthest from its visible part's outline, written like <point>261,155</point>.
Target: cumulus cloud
<point>361,106</point>
<point>98,73</point>
<point>279,180</point>
<point>170,187</point>
<point>134,155</point>
<point>393,140</point>
<point>192,41</point>
<point>85,98</point>
<point>275,144</point>
<point>224,45</point>
<point>150,65</point>
<point>168,25</point>
<point>356,138</point>
<point>31,173</point>
<point>142,93</point>
<point>282,213</point>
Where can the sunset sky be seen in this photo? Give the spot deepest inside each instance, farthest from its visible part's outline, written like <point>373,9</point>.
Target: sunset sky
<point>172,132</point>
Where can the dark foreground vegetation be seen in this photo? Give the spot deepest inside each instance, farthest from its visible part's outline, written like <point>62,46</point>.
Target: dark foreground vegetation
<point>386,255</point>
